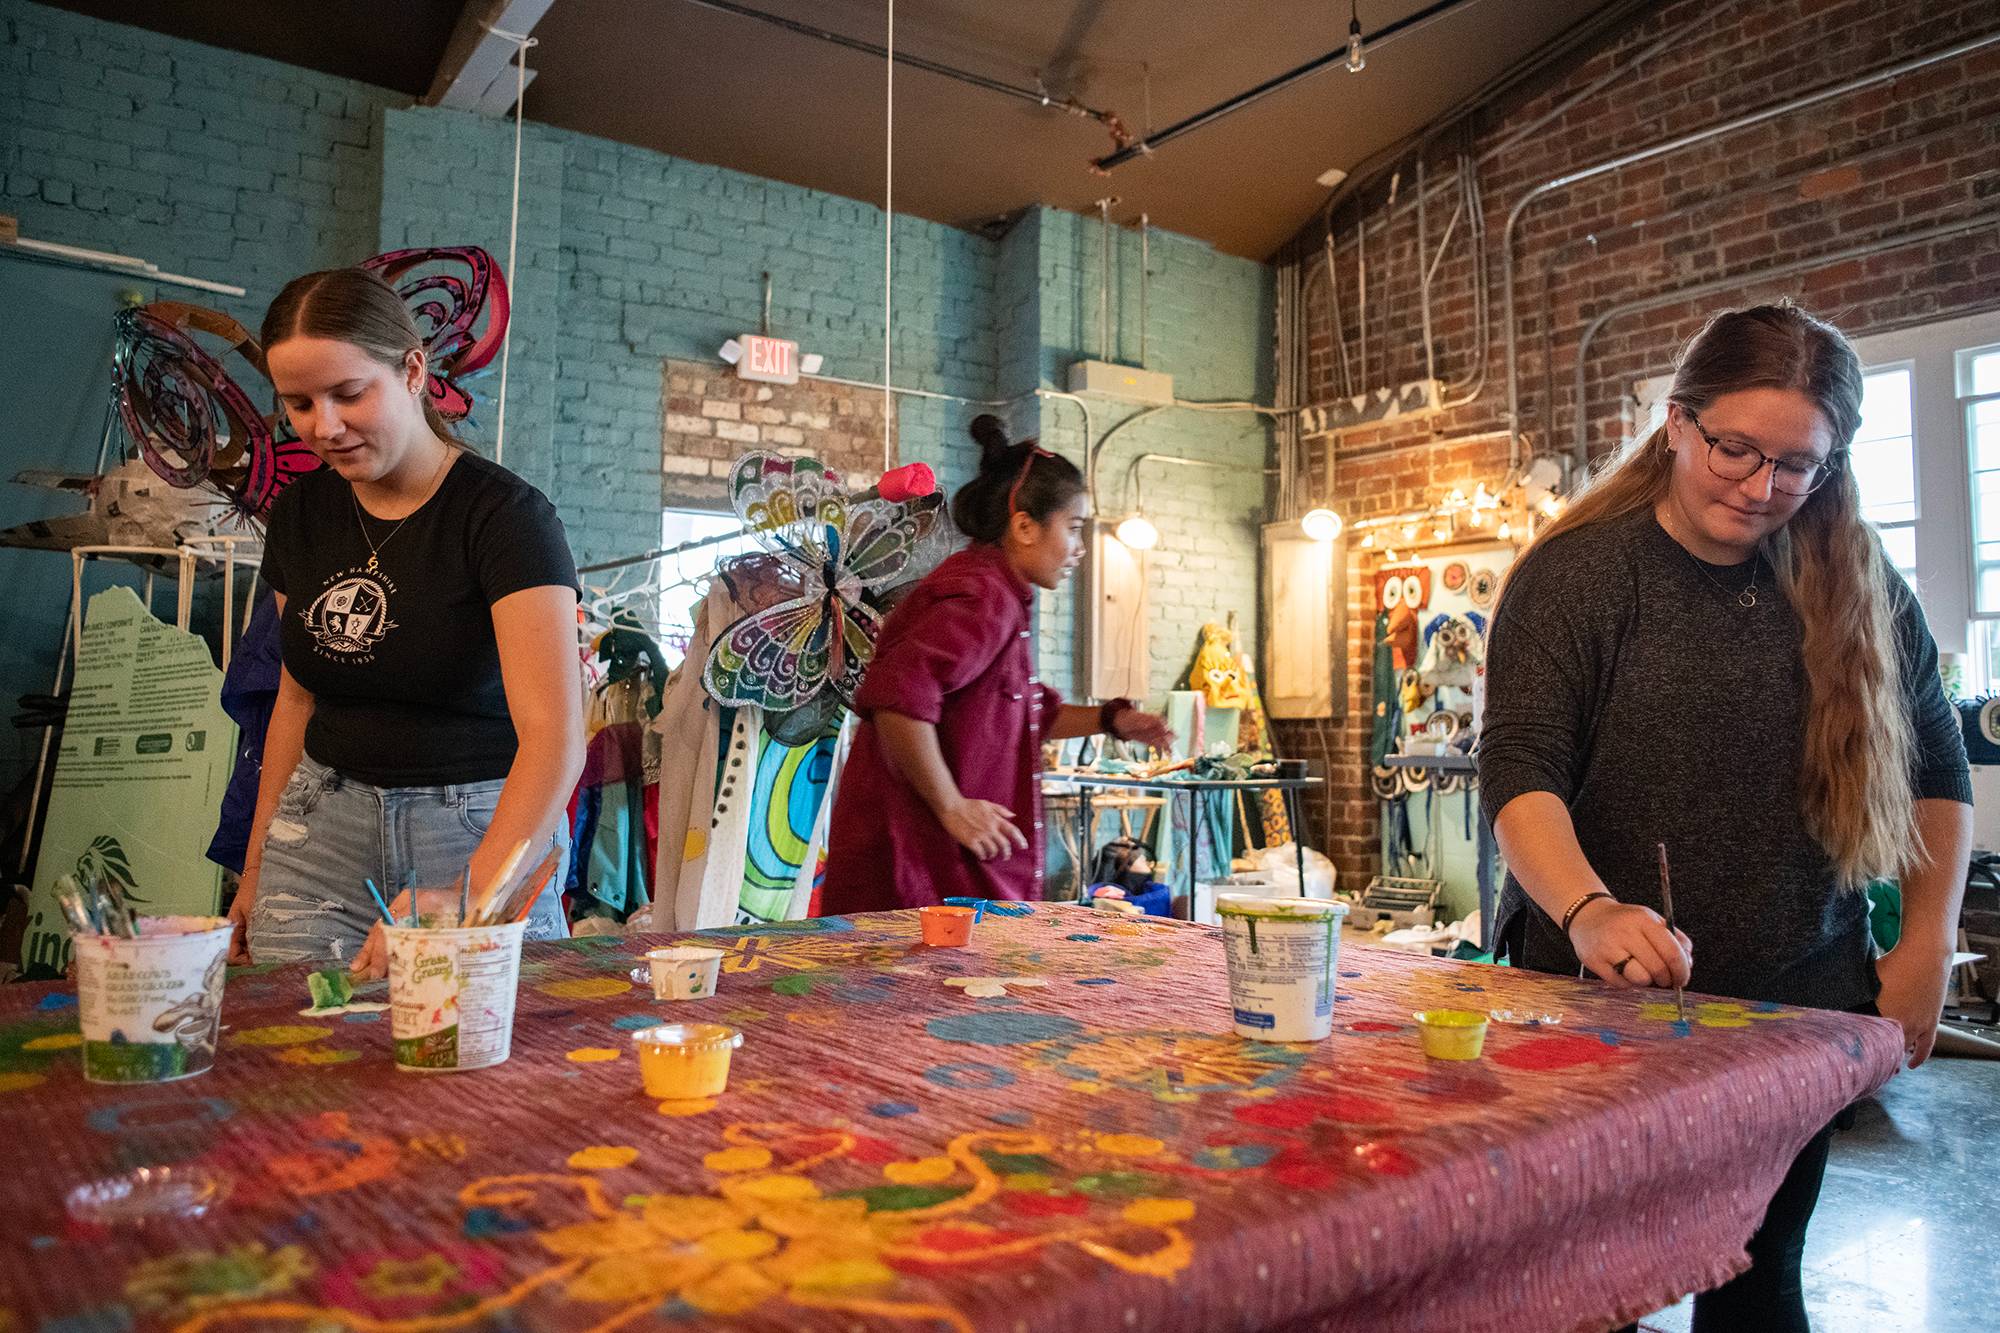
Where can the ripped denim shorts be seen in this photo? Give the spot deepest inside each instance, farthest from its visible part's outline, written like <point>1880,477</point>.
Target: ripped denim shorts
<point>330,832</point>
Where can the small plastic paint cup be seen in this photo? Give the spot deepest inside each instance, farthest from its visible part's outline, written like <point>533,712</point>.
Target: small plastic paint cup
<point>1451,1034</point>
<point>451,995</point>
<point>947,927</point>
<point>151,1007</point>
<point>685,1061</point>
<point>1282,954</point>
<point>978,906</point>
<point>681,972</point>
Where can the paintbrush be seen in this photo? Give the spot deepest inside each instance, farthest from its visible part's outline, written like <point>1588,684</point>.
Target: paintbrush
<point>117,912</point>
<point>69,897</point>
<point>496,886</point>
<point>520,896</point>
<point>1667,907</point>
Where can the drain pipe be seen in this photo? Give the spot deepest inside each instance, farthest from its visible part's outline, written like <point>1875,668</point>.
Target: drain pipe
<point>1104,276</point>
<point>1145,276</point>
<point>1423,274</point>
<point>1580,448</point>
<point>1337,56</point>
<point>1886,74</point>
<point>1038,96</point>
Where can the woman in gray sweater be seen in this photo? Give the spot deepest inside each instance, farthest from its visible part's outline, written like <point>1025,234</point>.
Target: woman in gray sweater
<point>1710,650</point>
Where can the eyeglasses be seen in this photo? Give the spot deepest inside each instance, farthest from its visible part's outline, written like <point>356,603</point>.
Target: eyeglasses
<point>1733,460</point>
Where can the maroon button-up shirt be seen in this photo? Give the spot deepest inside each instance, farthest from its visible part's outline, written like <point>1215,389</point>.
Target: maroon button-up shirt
<point>957,652</point>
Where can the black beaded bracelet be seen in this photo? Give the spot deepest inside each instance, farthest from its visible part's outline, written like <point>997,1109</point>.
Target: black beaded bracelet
<point>1578,906</point>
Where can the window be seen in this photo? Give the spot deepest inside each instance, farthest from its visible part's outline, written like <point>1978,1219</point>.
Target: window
<point>1884,457</point>
<point>681,575</point>
<point>1978,375</point>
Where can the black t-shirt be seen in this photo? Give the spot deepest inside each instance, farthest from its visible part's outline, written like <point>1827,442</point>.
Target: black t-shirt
<point>401,661</point>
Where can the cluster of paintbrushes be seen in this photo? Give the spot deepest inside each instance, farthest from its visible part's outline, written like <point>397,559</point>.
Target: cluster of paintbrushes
<point>508,897</point>
<point>98,908</point>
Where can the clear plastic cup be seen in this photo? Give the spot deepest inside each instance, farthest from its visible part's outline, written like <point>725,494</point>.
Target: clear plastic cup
<point>685,1061</point>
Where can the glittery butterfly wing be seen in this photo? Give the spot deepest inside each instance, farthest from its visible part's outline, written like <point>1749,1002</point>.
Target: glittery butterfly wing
<point>189,418</point>
<point>788,504</point>
<point>447,289</point>
<point>888,541</point>
<point>780,658</point>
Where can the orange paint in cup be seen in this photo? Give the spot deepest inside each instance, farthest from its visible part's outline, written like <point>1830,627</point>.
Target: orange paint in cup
<point>946,927</point>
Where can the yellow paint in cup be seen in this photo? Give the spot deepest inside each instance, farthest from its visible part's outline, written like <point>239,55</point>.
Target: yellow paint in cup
<point>685,1061</point>
<point>1451,1034</point>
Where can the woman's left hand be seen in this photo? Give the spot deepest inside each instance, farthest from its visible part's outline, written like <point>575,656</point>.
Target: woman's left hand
<point>1913,981</point>
<point>1143,729</point>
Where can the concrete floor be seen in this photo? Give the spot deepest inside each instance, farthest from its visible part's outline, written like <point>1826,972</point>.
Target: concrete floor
<point>1906,1238</point>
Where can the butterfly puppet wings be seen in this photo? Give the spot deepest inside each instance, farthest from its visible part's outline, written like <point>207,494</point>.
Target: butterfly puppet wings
<point>195,425</point>
<point>804,656</point>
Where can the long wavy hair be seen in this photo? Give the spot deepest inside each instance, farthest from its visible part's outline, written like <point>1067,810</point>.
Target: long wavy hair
<point>1855,792</point>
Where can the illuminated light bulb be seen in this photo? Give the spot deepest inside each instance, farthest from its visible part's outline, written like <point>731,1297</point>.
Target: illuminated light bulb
<point>1506,529</point>
<point>1476,519</point>
<point>1356,61</point>
<point>1409,532</point>
<point>1322,525</point>
<point>1442,531</point>
<point>1551,506</point>
<point>1138,533</point>
<point>1390,555</point>
<point>1368,540</point>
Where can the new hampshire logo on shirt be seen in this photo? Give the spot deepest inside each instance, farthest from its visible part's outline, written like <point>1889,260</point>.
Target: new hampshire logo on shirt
<point>351,615</point>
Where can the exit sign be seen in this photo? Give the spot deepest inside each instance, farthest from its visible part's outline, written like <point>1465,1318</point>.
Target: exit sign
<point>772,360</point>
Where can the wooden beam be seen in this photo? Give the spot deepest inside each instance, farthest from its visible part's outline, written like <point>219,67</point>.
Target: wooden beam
<point>475,60</point>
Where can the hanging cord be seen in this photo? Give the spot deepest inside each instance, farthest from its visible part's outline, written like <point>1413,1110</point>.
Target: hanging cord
<point>523,42</point>
<point>888,243</point>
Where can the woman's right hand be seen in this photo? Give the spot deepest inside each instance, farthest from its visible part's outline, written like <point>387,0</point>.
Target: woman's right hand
<point>239,918</point>
<point>983,828</point>
<point>1630,946</point>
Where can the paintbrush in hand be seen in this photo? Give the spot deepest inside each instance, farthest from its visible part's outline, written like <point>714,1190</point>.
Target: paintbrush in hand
<point>1667,909</point>
<point>518,898</point>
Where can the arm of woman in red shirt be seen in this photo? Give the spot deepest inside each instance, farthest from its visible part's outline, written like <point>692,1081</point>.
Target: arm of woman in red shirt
<point>981,827</point>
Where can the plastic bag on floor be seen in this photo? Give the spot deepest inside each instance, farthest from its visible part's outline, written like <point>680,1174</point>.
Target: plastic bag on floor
<point>1281,864</point>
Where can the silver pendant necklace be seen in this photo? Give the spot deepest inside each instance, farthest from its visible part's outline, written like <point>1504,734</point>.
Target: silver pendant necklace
<point>1747,597</point>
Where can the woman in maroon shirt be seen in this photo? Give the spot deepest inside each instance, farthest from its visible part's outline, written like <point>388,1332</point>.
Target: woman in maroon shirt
<point>939,798</point>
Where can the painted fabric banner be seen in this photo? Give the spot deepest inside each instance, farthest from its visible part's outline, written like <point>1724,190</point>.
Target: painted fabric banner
<point>1051,1130</point>
<point>146,755</point>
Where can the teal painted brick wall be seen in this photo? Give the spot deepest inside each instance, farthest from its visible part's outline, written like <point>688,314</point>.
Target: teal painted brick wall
<point>422,148</point>
<point>204,162</point>
<point>244,170</point>
<point>1210,326</point>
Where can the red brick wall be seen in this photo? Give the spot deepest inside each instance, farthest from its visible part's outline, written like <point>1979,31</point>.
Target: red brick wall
<point>1889,160</point>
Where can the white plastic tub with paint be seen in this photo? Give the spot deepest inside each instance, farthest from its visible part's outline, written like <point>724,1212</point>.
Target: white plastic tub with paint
<point>451,995</point>
<point>1282,955</point>
<point>151,1007</point>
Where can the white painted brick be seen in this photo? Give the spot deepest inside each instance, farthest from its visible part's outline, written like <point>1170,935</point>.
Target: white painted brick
<point>722,411</point>
<point>679,423</point>
<point>732,430</point>
<point>785,435</point>
<point>689,467</point>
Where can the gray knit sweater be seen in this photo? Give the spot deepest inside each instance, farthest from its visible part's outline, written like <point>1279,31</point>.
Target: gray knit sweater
<point>1623,676</point>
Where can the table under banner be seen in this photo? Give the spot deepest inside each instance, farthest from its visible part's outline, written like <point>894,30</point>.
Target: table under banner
<point>1051,1131</point>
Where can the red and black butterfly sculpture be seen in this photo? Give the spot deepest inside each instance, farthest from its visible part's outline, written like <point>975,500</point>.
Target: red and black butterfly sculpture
<point>195,425</point>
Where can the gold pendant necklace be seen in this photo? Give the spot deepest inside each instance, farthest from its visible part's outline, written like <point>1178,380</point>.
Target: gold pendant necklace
<point>361,519</point>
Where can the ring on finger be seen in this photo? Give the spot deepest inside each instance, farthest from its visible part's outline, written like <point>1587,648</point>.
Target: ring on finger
<point>1629,960</point>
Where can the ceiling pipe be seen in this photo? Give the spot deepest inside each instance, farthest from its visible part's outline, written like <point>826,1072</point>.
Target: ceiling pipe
<point>1829,92</point>
<point>1199,119</point>
<point>1581,445</point>
<point>1036,95</point>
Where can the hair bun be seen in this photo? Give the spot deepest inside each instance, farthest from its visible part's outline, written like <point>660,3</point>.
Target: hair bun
<point>991,436</point>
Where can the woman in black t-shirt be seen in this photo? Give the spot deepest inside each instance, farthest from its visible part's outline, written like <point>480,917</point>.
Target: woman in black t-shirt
<point>429,712</point>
